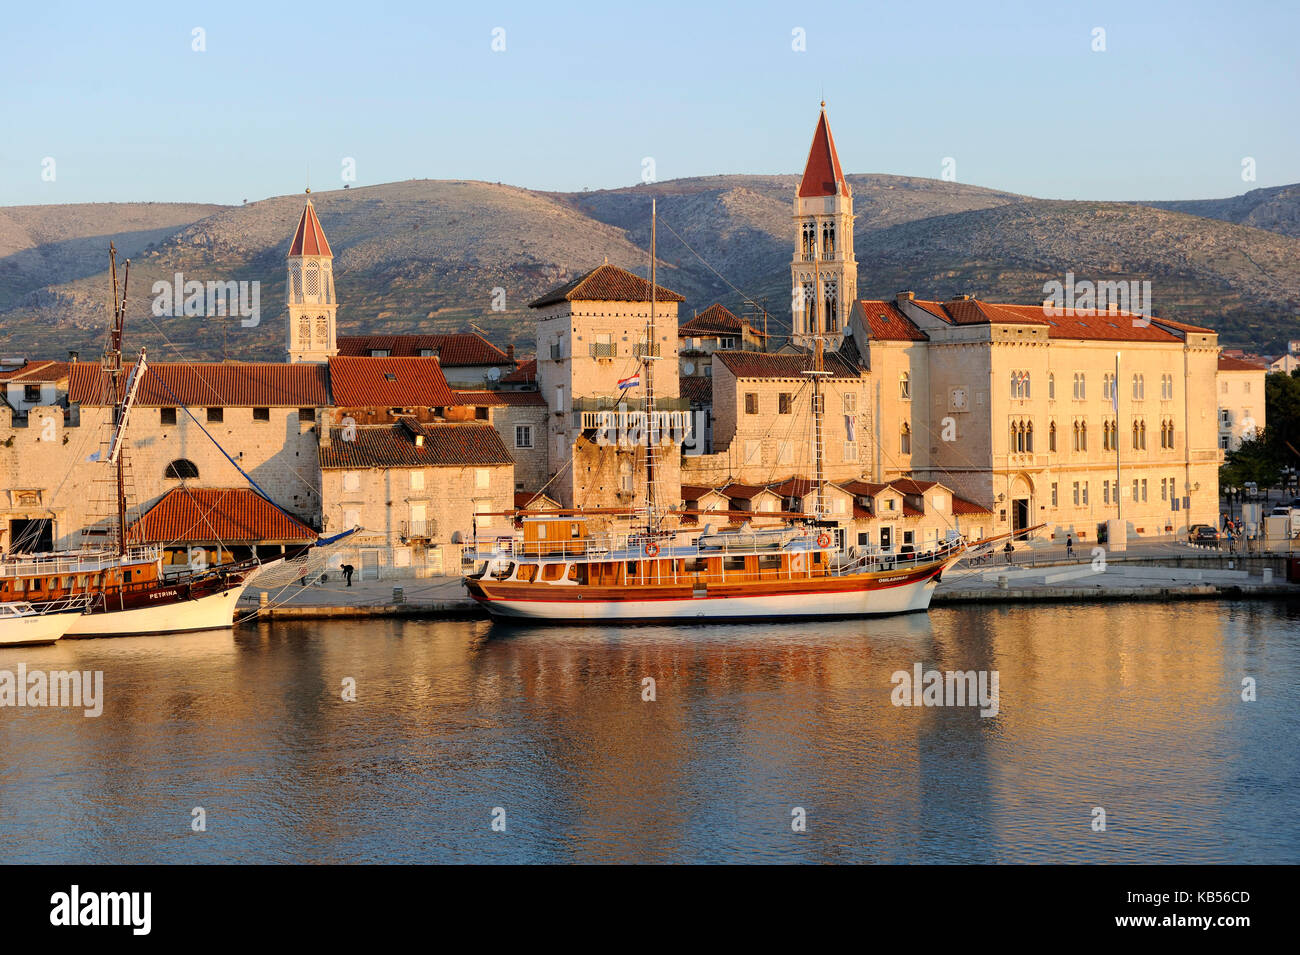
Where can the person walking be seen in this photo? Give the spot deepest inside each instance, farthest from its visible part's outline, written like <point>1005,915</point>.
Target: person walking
<point>1009,550</point>
<point>347,573</point>
<point>1069,545</point>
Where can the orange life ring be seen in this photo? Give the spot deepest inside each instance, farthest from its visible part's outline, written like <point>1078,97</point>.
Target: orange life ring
<point>823,540</point>
<point>651,549</point>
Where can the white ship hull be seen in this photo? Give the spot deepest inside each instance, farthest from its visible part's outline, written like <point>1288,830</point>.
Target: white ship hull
<point>878,601</point>
<point>213,612</point>
<point>35,630</point>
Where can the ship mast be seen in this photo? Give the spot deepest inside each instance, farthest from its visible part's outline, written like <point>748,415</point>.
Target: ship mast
<point>113,364</point>
<point>647,358</point>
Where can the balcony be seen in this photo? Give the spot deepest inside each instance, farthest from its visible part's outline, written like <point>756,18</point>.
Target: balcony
<point>603,350</point>
<point>417,530</point>
<point>671,417</point>
<point>641,350</point>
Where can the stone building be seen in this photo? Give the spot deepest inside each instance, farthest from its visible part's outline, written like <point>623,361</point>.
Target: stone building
<point>591,336</point>
<point>416,489</point>
<point>1239,393</point>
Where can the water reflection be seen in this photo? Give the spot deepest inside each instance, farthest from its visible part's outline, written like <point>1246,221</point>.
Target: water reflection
<point>1133,708</point>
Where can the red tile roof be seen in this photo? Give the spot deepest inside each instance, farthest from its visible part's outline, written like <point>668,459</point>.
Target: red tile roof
<point>40,370</point>
<point>606,283</point>
<point>309,238</point>
<point>230,515</point>
<point>716,320</point>
<point>693,492</point>
<point>524,374</point>
<point>864,488</point>
<point>458,349</point>
<point>1238,364</point>
<point>389,383</point>
<point>909,486</point>
<point>500,398</point>
<point>394,446</point>
<point>696,388</point>
<point>210,385</point>
<point>962,506</point>
<point>886,322</point>
<point>744,492</point>
<point>1080,324</point>
<point>752,364</point>
<point>909,511</point>
<point>822,171</point>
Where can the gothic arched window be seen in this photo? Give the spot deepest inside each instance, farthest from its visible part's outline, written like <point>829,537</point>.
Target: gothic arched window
<point>322,330</point>
<point>181,469</point>
<point>905,439</point>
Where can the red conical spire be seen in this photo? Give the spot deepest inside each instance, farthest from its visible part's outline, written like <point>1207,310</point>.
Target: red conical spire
<point>823,170</point>
<point>309,239</point>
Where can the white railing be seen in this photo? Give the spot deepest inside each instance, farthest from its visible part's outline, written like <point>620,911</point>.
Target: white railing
<point>677,424</point>
<point>36,565</point>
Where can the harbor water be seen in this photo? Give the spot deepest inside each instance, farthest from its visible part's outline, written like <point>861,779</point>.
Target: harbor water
<point>472,741</point>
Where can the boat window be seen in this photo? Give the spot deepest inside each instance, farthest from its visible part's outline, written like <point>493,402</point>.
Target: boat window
<point>578,573</point>
<point>552,572</point>
<point>769,562</point>
<point>575,531</point>
<point>631,568</point>
<point>733,563</point>
<point>696,565</point>
<point>527,572</point>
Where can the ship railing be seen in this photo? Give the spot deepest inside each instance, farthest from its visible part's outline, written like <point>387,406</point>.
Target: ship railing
<point>73,562</point>
<point>636,546</point>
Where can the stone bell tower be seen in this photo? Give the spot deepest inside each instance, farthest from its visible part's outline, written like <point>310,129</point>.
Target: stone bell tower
<point>823,244</point>
<point>309,292</point>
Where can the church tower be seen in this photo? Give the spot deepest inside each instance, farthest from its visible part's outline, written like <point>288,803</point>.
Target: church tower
<point>309,292</point>
<point>823,244</point>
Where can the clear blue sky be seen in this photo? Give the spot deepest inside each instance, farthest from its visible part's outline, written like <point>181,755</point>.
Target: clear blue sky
<point>1012,91</point>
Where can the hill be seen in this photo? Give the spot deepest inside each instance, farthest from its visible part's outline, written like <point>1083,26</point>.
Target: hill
<point>428,254</point>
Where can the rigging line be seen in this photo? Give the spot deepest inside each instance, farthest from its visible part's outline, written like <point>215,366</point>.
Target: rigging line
<point>725,280</point>
<point>210,387</point>
<point>236,466</point>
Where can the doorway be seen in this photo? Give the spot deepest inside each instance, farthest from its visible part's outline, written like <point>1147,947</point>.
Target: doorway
<point>370,565</point>
<point>31,535</point>
<point>886,539</point>
<point>1019,514</point>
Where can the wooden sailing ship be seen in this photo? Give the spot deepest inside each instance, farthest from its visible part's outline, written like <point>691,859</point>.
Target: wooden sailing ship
<point>556,569</point>
<point>123,588</point>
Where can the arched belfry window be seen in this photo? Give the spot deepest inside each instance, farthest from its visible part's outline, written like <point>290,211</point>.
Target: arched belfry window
<point>180,469</point>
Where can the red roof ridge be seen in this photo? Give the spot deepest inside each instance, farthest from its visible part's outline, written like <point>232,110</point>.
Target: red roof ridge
<point>606,283</point>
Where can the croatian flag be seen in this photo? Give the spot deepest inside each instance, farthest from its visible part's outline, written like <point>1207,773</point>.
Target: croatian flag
<point>631,382</point>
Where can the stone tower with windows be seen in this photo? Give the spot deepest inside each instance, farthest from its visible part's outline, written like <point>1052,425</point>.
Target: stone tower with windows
<point>823,244</point>
<point>309,292</point>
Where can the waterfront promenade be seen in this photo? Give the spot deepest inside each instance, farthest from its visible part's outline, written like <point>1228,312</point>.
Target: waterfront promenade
<point>1163,569</point>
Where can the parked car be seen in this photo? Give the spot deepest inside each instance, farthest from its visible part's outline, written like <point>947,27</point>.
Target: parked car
<point>1281,510</point>
<point>1203,534</point>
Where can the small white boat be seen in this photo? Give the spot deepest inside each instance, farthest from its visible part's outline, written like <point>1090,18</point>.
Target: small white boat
<point>24,625</point>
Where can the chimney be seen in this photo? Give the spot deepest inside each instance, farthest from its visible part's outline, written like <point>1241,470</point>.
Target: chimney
<point>902,297</point>
<point>510,352</point>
